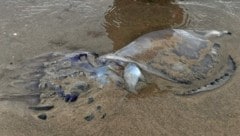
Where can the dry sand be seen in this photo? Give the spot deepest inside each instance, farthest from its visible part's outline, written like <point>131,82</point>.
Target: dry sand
<point>149,113</point>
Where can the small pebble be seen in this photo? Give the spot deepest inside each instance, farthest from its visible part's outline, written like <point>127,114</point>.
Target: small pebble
<point>90,100</point>
<point>99,108</point>
<point>104,115</point>
<point>89,117</point>
<point>42,116</point>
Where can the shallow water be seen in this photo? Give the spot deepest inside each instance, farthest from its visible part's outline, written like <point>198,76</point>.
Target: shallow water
<point>29,28</point>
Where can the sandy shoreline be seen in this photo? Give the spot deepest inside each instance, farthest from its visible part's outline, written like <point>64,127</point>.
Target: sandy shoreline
<point>152,114</point>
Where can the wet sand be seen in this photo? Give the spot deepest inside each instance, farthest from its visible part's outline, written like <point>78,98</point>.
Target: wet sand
<point>151,112</point>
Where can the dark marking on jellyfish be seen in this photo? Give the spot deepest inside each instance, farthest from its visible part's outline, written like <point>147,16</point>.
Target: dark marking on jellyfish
<point>218,82</point>
<point>216,46</point>
<point>87,67</point>
<point>75,58</point>
<point>207,62</point>
<point>198,78</point>
<point>189,50</point>
<point>164,72</point>
<point>229,33</point>
<point>72,97</point>
<point>188,93</point>
<point>212,83</point>
<point>67,97</point>
<point>78,57</point>
<point>204,66</point>
<point>62,77</point>
<point>119,83</point>
<point>187,82</point>
<point>95,54</point>
<point>82,55</point>
<point>177,80</point>
<point>232,63</point>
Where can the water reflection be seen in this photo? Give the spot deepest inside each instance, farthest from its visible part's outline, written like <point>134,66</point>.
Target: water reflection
<point>31,27</point>
<point>128,19</point>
